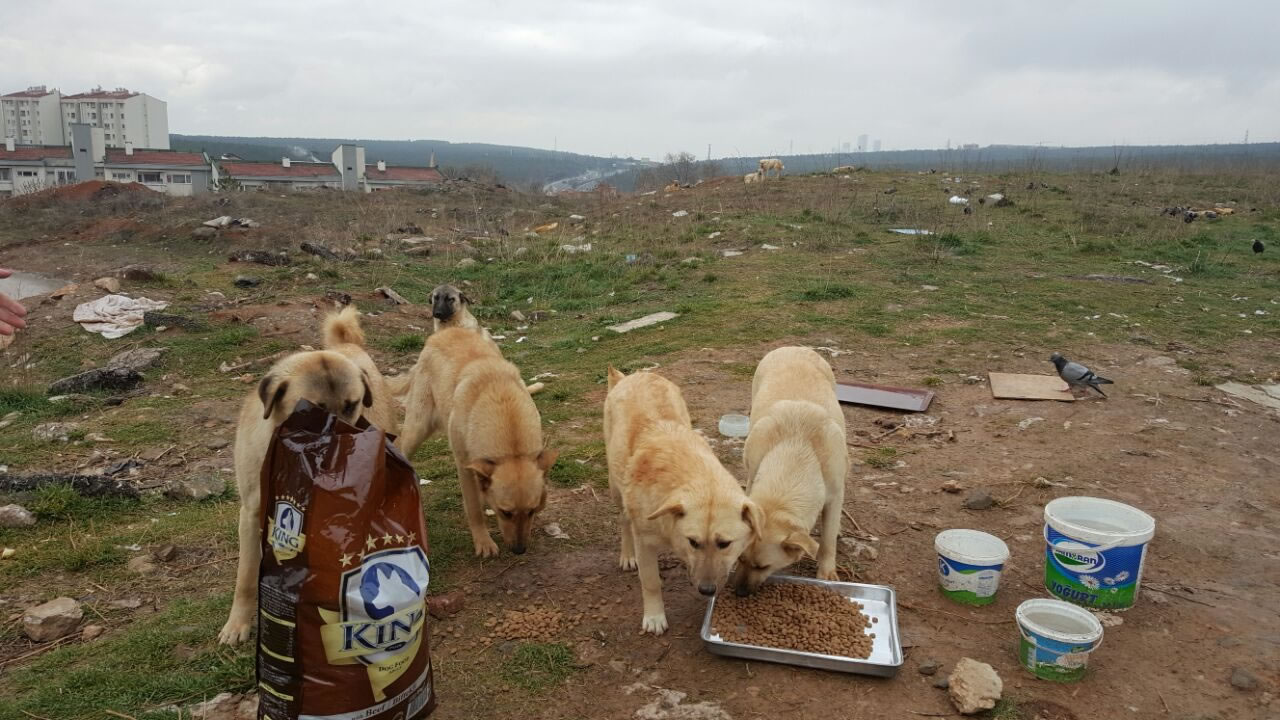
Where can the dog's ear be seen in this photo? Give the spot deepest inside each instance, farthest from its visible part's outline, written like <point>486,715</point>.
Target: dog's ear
<point>368,392</point>
<point>271,393</point>
<point>546,459</point>
<point>484,472</point>
<point>800,542</point>
<point>753,516</point>
<point>542,501</point>
<point>463,298</point>
<point>672,507</point>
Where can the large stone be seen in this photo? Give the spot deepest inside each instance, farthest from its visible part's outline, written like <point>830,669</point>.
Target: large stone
<point>16,516</point>
<point>109,378</point>
<point>974,686</point>
<point>52,620</point>
<point>137,359</point>
<point>107,284</point>
<point>54,432</point>
<point>1242,679</point>
<point>137,273</point>
<point>197,486</point>
<point>142,565</point>
<point>227,706</point>
<point>979,499</point>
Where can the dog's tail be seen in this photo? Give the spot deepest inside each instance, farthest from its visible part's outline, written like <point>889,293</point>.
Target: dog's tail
<point>614,376</point>
<point>343,327</point>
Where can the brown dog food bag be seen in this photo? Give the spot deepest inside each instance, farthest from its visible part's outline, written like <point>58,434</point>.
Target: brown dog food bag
<point>342,587</point>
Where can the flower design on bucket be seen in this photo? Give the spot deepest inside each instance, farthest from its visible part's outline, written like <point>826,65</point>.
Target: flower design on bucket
<point>1109,580</point>
<point>1090,582</point>
<point>1122,576</point>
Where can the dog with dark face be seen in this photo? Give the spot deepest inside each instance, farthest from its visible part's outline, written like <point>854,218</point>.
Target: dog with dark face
<point>451,308</point>
<point>672,491</point>
<point>341,379</point>
<point>462,385</point>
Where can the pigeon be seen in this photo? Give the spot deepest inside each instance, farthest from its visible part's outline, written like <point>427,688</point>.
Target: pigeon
<point>1258,246</point>
<point>1078,375</point>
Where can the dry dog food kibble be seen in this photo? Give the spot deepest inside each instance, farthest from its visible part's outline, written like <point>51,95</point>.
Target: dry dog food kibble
<point>791,616</point>
<point>539,624</point>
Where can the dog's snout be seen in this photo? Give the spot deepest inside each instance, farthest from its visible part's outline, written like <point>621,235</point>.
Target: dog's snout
<point>518,549</point>
<point>742,590</point>
<point>707,589</point>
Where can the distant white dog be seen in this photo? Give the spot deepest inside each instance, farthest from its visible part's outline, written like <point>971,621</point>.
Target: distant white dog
<point>767,164</point>
<point>752,177</point>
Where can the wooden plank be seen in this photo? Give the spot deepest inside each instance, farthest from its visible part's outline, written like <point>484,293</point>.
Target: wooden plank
<point>1015,386</point>
<point>884,396</point>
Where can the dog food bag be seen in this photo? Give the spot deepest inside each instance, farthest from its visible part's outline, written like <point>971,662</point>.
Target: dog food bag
<point>343,582</point>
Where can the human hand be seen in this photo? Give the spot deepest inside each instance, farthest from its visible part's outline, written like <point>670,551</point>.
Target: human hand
<point>11,311</point>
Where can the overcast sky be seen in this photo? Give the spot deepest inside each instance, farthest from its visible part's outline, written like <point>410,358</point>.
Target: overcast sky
<point>650,76</point>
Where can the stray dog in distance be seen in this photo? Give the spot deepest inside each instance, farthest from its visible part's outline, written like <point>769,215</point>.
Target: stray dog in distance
<point>341,379</point>
<point>672,491</point>
<point>796,459</point>
<point>450,308</point>
<point>461,384</point>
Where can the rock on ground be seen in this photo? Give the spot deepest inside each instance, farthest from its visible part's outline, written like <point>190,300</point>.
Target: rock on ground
<point>142,565</point>
<point>979,499</point>
<point>137,359</point>
<point>92,632</point>
<point>974,686</point>
<point>16,516</point>
<point>52,620</point>
<point>929,667</point>
<point>227,706</point>
<point>197,486</point>
<point>107,284</point>
<point>1242,679</point>
<point>109,378</point>
<point>54,432</point>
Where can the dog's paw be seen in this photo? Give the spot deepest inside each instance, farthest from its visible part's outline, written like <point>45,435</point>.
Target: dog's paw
<point>486,548</point>
<point>656,624</point>
<point>627,563</point>
<point>235,632</point>
<point>828,574</point>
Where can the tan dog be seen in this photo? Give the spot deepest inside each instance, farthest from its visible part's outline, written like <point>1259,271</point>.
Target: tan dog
<point>672,490</point>
<point>796,459</point>
<point>461,384</point>
<point>449,308</point>
<point>341,379</point>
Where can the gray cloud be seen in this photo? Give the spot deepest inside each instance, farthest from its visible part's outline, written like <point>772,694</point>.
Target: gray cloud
<point>644,78</point>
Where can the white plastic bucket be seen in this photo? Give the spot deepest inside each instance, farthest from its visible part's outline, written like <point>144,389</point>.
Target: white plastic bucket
<point>969,565</point>
<point>1095,550</point>
<point>1057,638</point>
<point>734,425</point>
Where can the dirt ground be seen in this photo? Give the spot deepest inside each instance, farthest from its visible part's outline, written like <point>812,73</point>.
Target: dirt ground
<point>1165,441</point>
<point>1202,467</point>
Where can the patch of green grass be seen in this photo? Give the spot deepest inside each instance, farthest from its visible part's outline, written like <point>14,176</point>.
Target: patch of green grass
<point>882,458</point>
<point>409,342</point>
<point>133,670</point>
<point>535,667</point>
<point>200,353</point>
<point>932,381</point>
<point>825,291</point>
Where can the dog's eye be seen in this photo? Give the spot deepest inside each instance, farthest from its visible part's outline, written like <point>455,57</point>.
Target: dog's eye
<point>760,568</point>
<point>507,514</point>
<point>694,543</point>
<point>349,408</point>
<point>722,544</point>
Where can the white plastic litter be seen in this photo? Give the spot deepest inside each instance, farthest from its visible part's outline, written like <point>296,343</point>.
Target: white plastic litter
<point>957,200</point>
<point>114,316</point>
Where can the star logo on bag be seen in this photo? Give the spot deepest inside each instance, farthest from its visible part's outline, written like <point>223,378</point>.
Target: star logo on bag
<point>346,559</point>
<point>371,543</point>
<point>386,539</point>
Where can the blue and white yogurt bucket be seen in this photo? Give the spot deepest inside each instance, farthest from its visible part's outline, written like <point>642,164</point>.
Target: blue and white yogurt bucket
<point>1095,550</point>
<point>969,565</point>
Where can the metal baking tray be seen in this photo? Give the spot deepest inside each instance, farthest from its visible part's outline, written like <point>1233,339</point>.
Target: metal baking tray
<point>878,601</point>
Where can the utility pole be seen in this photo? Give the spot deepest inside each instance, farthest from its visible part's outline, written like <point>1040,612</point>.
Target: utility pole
<point>708,152</point>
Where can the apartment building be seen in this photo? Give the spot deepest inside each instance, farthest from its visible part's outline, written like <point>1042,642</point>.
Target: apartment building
<point>39,116</point>
<point>32,117</point>
<point>31,168</point>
